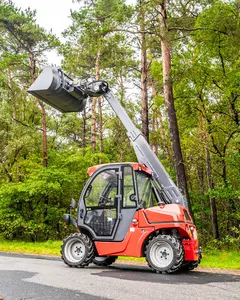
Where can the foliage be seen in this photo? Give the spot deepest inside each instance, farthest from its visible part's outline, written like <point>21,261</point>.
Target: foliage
<point>204,38</point>
<point>32,209</point>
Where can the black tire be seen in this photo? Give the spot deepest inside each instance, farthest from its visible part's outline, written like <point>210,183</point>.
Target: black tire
<point>189,265</point>
<point>104,260</point>
<point>77,250</point>
<point>164,253</point>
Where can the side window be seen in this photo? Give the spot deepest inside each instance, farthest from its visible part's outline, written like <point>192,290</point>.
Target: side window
<point>146,191</point>
<point>102,190</point>
<point>128,188</point>
<point>154,199</point>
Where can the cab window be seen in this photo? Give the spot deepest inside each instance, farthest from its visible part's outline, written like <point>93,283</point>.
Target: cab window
<point>103,189</point>
<point>146,192</point>
<point>129,194</point>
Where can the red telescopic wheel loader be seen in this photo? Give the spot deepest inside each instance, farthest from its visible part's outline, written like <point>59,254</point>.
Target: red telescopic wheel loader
<point>125,209</point>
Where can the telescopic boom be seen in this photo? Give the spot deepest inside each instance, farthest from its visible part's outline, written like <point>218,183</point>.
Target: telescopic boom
<point>57,89</point>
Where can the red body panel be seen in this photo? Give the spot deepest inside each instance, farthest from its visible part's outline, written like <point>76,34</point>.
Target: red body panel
<point>190,249</point>
<point>135,166</point>
<point>130,246</point>
<point>147,221</point>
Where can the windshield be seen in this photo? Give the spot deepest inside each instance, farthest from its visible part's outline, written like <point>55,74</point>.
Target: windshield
<point>149,191</point>
<point>159,190</point>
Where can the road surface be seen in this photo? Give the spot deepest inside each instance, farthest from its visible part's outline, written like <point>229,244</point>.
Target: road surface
<point>28,277</point>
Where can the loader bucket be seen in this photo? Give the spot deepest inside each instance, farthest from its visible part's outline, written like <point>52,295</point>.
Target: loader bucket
<point>54,87</point>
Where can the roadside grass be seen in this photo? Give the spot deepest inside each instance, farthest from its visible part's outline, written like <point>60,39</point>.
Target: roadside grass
<point>223,259</point>
<point>38,248</point>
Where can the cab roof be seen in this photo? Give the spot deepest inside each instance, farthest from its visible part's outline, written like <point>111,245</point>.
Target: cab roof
<point>135,166</point>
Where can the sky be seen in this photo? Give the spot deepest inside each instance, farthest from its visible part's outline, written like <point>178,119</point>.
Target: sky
<point>51,14</point>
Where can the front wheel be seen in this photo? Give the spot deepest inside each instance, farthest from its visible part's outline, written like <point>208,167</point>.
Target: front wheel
<point>104,260</point>
<point>164,253</point>
<point>77,250</point>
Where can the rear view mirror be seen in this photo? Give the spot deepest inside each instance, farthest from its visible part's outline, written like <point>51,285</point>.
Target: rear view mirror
<point>89,189</point>
<point>56,88</point>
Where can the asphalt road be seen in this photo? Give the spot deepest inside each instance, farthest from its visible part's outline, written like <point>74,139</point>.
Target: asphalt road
<point>25,277</point>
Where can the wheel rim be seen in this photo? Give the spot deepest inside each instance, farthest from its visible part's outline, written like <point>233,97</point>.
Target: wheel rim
<point>75,250</point>
<point>161,254</point>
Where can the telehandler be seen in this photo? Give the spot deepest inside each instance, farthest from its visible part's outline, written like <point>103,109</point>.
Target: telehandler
<point>125,209</point>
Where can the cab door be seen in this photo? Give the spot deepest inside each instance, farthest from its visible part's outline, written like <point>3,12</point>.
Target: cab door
<point>128,204</point>
<point>99,208</point>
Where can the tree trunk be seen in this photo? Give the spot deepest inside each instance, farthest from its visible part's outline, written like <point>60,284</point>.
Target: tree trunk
<point>200,169</point>
<point>93,126</point>
<point>44,134</point>
<point>145,127</point>
<point>154,134</point>
<point>164,139</point>
<point>224,169</point>
<point>170,109</point>
<point>200,173</point>
<point>213,206</point>
<point>210,182</point>
<point>159,124</point>
<point>122,90</point>
<point>100,127</point>
<point>94,102</point>
<point>84,129</point>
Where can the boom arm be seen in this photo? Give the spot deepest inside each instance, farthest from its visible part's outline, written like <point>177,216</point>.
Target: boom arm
<point>142,149</point>
<point>57,89</point>
<point>144,153</point>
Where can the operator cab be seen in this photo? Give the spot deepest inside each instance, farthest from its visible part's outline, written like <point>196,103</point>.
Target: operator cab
<point>112,196</point>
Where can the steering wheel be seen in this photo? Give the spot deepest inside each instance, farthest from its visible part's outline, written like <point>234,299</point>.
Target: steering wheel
<point>104,200</point>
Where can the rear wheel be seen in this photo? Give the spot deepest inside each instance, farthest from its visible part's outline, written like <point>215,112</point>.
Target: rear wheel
<point>104,260</point>
<point>164,253</point>
<point>77,250</point>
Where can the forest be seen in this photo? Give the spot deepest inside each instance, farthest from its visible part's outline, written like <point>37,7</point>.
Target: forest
<point>173,65</point>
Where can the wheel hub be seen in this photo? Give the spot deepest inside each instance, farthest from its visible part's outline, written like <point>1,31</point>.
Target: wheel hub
<point>78,251</point>
<point>164,254</point>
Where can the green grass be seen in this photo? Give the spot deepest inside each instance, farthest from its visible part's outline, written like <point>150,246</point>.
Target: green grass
<point>224,259</point>
<point>41,248</point>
